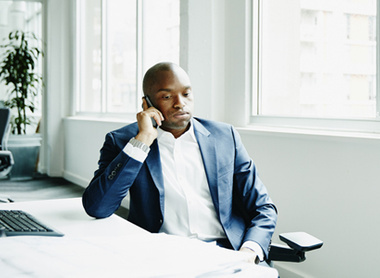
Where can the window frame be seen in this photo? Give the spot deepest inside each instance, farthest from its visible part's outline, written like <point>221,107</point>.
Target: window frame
<point>288,122</point>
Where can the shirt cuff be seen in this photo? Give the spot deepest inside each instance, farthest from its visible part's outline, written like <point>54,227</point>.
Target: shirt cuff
<point>135,152</point>
<point>254,246</point>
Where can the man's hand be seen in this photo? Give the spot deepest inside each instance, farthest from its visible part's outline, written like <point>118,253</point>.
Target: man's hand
<point>254,258</point>
<point>147,133</point>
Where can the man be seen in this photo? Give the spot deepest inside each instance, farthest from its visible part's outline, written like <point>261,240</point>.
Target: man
<point>188,176</point>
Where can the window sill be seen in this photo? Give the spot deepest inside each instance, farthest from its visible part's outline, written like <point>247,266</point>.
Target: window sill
<point>102,118</point>
<point>308,132</point>
<point>250,129</point>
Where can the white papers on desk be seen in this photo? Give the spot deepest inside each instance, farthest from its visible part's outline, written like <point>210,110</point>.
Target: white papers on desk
<point>148,255</point>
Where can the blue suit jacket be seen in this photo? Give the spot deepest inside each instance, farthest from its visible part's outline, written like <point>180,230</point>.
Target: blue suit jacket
<point>241,200</point>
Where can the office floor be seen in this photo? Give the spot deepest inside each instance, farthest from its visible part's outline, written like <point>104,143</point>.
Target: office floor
<point>42,188</point>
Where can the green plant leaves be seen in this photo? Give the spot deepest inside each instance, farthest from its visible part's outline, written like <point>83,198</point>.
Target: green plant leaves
<point>17,71</point>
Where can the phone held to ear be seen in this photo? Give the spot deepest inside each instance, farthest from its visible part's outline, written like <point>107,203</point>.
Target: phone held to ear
<point>154,123</point>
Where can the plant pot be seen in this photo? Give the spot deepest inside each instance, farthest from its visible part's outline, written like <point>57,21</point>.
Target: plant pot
<point>25,150</point>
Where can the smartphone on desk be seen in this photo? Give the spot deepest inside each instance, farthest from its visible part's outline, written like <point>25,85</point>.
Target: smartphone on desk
<point>154,123</point>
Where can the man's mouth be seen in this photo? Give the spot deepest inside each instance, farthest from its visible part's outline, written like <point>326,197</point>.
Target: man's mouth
<point>181,115</point>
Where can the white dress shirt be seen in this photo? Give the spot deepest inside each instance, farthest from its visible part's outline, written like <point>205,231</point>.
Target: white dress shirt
<point>189,210</point>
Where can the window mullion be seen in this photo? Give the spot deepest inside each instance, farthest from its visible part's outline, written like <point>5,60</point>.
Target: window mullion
<point>104,83</point>
<point>79,49</point>
<point>139,48</point>
<point>255,58</point>
<point>377,59</point>
<point>259,55</point>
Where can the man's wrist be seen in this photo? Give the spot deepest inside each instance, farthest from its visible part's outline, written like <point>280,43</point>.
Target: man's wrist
<point>256,259</point>
<point>138,144</point>
<point>146,138</point>
<point>254,246</point>
<point>137,150</point>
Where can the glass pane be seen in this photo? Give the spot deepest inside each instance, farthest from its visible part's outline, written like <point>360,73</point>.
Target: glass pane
<point>319,58</point>
<point>90,56</point>
<point>121,56</point>
<point>25,16</point>
<point>160,32</point>
<point>109,50</point>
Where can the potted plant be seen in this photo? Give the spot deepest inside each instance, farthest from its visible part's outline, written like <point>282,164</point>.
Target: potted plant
<point>18,64</point>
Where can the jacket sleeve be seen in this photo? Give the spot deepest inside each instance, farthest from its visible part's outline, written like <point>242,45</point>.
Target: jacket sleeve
<point>111,182</point>
<point>253,199</point>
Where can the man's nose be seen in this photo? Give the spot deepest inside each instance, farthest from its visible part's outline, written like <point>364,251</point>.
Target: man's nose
<point>179,102</point>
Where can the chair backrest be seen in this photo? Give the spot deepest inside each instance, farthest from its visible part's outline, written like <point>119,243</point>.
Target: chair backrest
<point>4,125</point>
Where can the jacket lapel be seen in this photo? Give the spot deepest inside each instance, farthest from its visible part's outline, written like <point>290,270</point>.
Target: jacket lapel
<point>207,146</point>
<point>153,162</point>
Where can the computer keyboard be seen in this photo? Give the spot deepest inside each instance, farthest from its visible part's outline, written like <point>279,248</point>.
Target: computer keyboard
<point>18,222</point>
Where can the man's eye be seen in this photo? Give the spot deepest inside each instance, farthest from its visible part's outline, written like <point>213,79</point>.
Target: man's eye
<point>166,97</point>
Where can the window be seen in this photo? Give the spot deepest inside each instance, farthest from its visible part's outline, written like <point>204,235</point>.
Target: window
<point>118,40</point>
<point>316,60</point>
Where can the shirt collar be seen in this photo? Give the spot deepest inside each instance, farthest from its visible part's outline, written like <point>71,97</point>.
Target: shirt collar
<point>188,135</point>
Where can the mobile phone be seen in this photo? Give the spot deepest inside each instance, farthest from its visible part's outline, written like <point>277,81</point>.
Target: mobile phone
<point>154,123</point>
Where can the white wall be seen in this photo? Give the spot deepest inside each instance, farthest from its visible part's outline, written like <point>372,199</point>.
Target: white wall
<point>324,185</point>
<point>83,140</point>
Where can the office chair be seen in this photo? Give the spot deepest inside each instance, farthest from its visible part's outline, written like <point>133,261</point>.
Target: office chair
<point>6,158</point>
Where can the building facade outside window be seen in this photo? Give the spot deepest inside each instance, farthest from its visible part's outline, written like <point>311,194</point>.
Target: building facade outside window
<point>317,59</point>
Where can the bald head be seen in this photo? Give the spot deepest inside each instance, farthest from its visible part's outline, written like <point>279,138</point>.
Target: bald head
<point>151,77</point>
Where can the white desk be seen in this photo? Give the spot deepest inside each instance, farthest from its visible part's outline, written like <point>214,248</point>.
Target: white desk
<point>112,247</point>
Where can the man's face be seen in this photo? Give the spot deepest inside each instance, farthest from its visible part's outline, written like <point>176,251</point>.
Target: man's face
<point>172,95</point>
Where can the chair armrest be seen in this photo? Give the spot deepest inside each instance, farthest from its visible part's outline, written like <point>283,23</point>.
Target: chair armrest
<point>301,241</point>
<point>6,162</point>
<point>297,244</point>
<point>280,252</point>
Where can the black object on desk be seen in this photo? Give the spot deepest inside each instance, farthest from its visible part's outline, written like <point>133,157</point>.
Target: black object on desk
<point>18,223</point>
